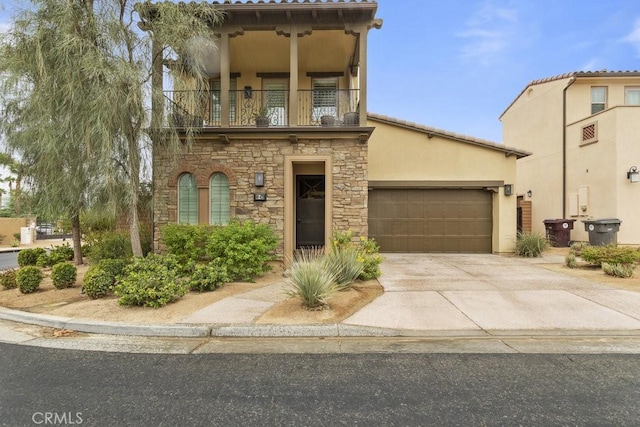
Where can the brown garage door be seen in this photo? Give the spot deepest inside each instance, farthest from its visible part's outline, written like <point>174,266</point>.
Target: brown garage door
<point>429,220</point>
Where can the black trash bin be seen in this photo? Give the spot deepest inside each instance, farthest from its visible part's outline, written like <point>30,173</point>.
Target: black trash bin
<point>602,231</point>
<point>559,231</point>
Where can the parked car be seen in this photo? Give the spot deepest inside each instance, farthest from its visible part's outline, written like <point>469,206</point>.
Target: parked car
<point>44,229</point>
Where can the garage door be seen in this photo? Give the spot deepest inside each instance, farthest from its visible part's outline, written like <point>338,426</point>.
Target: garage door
<point>431,220</point>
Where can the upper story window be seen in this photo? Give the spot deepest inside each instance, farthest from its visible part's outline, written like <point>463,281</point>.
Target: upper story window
<point>187,199</point>
<point>632,95</point>
<point>325,97</point>
<point>598,99</point>
<point>219,198</point>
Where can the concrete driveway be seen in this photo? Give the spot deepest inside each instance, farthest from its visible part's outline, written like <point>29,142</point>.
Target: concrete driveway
<point>453,294</point>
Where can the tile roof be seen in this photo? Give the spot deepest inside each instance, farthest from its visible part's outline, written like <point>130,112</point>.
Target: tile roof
<point>449,135</point>
<point>289,1</point>
<point>574,75</point>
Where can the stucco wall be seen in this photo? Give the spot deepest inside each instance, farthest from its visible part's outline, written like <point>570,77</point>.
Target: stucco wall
<point>602,166</point>
<point>400,154</point>
<point>10,226</point>
<point>534,123</point>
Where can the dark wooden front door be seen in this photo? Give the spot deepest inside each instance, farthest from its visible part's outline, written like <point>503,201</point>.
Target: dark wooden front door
<point>309,210</point>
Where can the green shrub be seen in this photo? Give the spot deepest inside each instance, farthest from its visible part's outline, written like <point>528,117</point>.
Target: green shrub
<point>8,279</point>
<point>610,254</point>
<point>310,280</point>
<point>30,256</point>
<point>530,245</point>
<point>244,248</point>
<point>346,265</point>
<point>150,282</point>
<point>368,251</point>
<point>63,275</point>
<point>29,279</point>
<point>97,282</point>
<point>187,242</point>
<point>43,261</point>
<point>107,245</point>
<point>618,270</point>
<point>114,267</point>
<point>570,260</point>
<point>577,247</point>
<point>208,277</point>
<point>61,253</point>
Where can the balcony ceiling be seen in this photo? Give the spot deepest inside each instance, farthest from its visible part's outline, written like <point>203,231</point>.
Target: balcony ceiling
<point>321,15</point>
<point>268,14</point>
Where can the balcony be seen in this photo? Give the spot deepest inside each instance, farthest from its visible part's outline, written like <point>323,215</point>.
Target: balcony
<point>251,108</point>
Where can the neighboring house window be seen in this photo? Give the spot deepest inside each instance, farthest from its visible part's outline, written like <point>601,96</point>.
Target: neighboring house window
<point>219,196</point>
<point>325,97</point>
<point>215,101</point>
<point>598,99</point>
<point>632,95</point>
<point>187,199</point>
<point>590,133</point>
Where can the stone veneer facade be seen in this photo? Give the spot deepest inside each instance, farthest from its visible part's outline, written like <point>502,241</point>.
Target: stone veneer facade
<point>242,157</point>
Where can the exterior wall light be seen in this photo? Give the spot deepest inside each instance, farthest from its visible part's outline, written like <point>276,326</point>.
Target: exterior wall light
<point>529,193</point>
<point>633,175</point>
<point>258,180</point>
<point>508,189</point>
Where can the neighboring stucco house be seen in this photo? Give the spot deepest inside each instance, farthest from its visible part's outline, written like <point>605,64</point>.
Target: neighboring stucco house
<point>583,129</point>
<point>316,167</point>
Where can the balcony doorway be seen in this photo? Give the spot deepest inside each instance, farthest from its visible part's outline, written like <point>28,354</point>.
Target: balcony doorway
<point>275,101</point>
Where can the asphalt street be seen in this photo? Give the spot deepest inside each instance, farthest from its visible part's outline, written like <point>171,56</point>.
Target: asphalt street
<point>107,389</point>
<point>8,260</point>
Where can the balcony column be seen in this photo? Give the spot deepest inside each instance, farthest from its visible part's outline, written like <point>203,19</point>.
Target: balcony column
<point>362,72</point>
<point>225,79</point>
<point>293,77</point>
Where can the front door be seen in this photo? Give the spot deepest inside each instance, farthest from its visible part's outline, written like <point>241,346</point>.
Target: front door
<point>309,210</point>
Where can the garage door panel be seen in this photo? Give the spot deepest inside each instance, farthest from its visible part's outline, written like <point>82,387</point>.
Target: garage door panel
<point>431,220</point>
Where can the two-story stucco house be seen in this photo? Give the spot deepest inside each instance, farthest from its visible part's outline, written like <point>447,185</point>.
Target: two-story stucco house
<point>583,129</point>
<point>284,139</point>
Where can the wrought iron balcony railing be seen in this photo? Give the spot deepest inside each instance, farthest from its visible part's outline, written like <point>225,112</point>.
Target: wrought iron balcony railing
<point>249,107</point>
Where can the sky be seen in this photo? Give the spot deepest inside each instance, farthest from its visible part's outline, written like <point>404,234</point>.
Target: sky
<point>458,64</point>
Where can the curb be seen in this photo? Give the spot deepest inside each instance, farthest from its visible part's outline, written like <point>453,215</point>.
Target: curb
<point>333,330</point>
<point>195,330</point>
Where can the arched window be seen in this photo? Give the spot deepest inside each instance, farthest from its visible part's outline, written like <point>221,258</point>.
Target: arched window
<point>219,197</point>
<point>187,199</point>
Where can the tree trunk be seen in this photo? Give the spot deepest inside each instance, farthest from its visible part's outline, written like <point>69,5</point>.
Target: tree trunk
<point>134,189</point>
<point>77,238</point>
<point>134,232</point>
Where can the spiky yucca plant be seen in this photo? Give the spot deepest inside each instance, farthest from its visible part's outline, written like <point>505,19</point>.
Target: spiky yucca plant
<point>310,279</point>
<point>346,264</point>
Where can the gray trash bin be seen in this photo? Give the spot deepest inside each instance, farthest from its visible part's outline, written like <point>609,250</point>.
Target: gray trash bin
<point>602,231</point>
